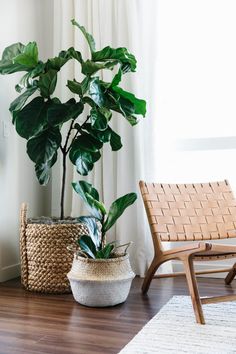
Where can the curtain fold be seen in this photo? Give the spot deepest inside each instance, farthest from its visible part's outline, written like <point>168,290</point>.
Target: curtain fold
<point>131,24</point>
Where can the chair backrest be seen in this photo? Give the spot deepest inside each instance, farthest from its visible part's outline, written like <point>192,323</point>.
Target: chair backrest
<point>189,212</point>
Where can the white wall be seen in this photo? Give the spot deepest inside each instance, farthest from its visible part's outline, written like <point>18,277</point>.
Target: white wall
<point>20,21</point>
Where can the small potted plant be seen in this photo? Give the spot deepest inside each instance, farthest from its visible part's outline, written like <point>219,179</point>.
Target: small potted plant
<point>39,117</point>
<point>101,274</point>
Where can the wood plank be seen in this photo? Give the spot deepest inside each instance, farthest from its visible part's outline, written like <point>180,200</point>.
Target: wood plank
<point>33,323</point>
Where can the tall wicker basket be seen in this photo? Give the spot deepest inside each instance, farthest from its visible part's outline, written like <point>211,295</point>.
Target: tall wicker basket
<point>45,260</point>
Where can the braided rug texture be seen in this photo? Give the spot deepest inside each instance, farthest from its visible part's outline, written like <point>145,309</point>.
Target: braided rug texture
<point>173,330</point>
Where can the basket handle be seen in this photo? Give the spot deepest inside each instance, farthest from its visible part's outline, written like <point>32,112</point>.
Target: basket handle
<point>23,250</point>
<point>23,215</point>
<point>76,251</point>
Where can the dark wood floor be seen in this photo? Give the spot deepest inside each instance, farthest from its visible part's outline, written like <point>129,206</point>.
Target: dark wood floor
<point>34,323</point>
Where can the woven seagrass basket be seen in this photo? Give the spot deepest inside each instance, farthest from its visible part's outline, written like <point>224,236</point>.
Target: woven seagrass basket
<point>45,260</point>
<point>101,282</point>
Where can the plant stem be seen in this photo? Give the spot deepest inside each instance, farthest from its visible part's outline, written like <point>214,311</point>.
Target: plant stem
<point>63,184</point>
<point>78,131</point>
<point>65,150</point>
<point>103,234</point>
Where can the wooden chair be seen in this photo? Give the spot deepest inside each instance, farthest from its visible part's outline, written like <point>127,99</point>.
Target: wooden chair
<point>191,212</point>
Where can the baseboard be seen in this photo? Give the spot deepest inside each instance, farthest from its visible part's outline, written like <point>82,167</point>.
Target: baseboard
<point>10,272</point>
<point>178,267</point>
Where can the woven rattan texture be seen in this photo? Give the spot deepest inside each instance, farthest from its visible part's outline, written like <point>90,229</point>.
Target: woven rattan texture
<point>45,260</point>
<point>189,212</point>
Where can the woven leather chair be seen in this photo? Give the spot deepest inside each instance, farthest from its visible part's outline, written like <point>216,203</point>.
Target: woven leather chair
<point>191,212</point>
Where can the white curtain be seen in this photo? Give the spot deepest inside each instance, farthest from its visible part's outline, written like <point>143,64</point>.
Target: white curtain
<point>131,24</point>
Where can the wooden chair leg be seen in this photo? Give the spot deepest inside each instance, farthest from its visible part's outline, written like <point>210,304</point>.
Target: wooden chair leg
<point>149,275</point>
<point>231,275</point>
<point>193,289</point>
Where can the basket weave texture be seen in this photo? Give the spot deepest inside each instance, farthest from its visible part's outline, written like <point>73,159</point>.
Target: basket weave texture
<point>118,268</point>
<point>101,282</point>
<point>45,260</point>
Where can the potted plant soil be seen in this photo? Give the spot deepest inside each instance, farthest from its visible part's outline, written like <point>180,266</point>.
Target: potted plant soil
<point>101,274</point>
<point>39,117</point>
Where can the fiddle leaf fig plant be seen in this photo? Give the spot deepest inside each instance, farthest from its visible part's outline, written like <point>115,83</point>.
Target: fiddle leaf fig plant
<point>93,244</point>
<point>38,115</point>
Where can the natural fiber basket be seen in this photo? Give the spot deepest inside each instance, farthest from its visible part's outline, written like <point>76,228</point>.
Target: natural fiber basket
<point>45,260</point>
<point>101,282</point>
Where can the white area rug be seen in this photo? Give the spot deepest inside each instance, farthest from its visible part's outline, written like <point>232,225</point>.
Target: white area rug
<point>173,330</point>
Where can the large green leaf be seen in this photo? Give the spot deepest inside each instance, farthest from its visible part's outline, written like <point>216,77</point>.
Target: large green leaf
<point>98,120</point>
<point>106,112</point>
<point>12,51</point>
<point>83,187</point>
<point>79,88</point>
<point>6,63</point>
<point>87,142</point>
<point>96,204</point>
<point>56,63</point>
<point>115,141</point>
<point>59,113</point>
<point>19,102</point>
<point>105,136</point>
<point>71,53</point>
<point>126,59</point>
<point>64,56</point>
<point>87,246</point>
<point>75,87</point>
<point>29,56</point>
<point>105,252</point>
<point>89,195</point>
<point>116,79</point>
<point>89,101</point>
<point>85,161</point>
<point>117,208</point>
<point>102,135</point>
<point>139,105</point>
<point>131,119</point>
<point>122,105</point>
<point>32,118</point>
<point>87,35</point>
<point>43,147</point>
<point>27,81</point>
<point>84,152</point>
<point>90,67</point>
<point>75,54</point>
<point>43,170</point>
<point>96,92</point>
<point>92,226</point>
<point>47,83</point>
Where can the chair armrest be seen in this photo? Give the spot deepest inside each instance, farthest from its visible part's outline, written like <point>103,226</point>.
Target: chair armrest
<point>223,248</point>
<point>195,247</point>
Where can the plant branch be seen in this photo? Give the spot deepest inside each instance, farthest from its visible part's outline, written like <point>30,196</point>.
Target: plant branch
<point>77,133</point>
<point>103,234</point>
<point>65,149</point>
<point>64,154</point>
<point>63,184</point>
<point>68,136</point>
